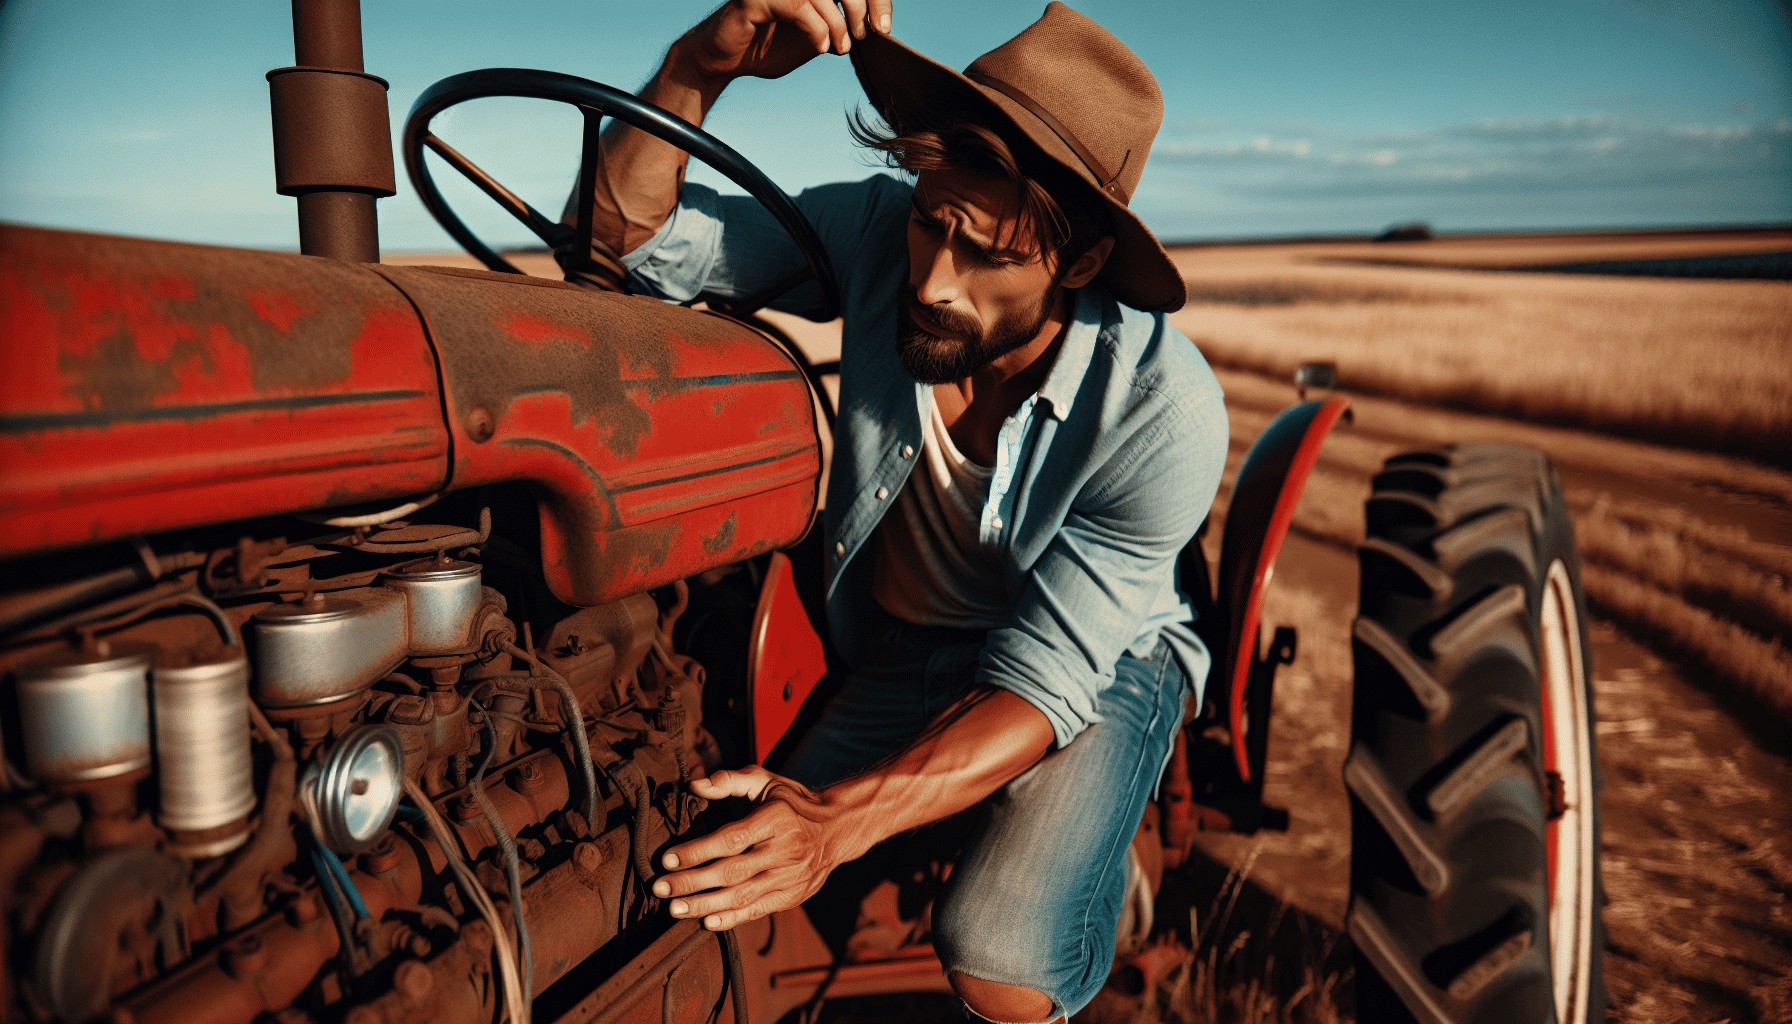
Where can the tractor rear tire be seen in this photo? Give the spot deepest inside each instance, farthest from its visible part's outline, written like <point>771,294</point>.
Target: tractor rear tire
<point>1472,774</point>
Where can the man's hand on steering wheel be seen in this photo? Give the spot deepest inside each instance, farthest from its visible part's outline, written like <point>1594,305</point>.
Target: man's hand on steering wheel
<point>771,860</point>
<point>771,38</point>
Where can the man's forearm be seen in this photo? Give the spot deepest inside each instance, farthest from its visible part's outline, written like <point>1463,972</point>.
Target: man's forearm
<point>974,748</point>
<point>780,854</point>
<point>639,177</point>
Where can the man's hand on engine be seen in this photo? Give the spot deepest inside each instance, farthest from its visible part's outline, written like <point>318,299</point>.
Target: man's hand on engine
<point>771,38</point>
<point>772,859</point>
<point>779,855</point>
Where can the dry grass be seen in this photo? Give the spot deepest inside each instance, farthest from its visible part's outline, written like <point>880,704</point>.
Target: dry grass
<point>1728,580</point>
<point>1689,362</point>
<point>1761,671</point>
<point>1231,977</point>
<point>1697,856</point>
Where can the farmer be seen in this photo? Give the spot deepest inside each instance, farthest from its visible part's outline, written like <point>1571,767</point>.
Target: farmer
<point>1024,446</point>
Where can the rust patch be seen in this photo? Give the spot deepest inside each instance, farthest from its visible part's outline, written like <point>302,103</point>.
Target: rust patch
<point>723,538</point>
<point>114,375</point>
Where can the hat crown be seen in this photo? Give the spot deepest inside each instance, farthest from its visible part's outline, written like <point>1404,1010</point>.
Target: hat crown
<point>1088,88</point>
<point>1073,90</point>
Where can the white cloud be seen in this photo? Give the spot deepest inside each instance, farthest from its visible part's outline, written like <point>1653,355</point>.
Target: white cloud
<point>1581,158</point>
<point>1259,147</point>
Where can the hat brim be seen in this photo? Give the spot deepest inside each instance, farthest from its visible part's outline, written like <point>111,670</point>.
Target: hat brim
<point>898,80</point>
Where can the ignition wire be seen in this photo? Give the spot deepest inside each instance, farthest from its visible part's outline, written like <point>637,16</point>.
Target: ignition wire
<point>512,872</point>
<point>517,1007</point>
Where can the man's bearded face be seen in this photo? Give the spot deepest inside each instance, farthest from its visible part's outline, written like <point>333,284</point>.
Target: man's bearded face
<point>974,292</point>
<point>939,344</point>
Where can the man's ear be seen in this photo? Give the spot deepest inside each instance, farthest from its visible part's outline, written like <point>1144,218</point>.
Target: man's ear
<point>1089,264</point>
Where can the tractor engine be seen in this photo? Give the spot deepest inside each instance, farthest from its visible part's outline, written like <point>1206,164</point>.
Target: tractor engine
<point>197,784</point>
<point>337,611</point>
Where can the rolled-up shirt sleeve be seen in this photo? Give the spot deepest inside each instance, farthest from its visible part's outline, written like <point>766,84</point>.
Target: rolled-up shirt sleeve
<point>732,247</point>
<point>1090,594</point>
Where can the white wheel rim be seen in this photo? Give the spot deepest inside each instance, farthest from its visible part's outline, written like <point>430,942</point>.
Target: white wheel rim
<point>1566,727</point>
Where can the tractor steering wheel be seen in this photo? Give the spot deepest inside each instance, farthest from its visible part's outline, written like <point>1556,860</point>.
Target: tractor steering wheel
<point>595,100</point>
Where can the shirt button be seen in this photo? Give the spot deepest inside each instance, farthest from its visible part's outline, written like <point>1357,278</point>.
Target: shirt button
<point>840,548</point>
<point>882,493</point>
<point>908,451</point>
<point>995,524</point>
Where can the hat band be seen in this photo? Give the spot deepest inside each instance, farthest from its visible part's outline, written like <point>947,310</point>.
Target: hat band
<point>1107,182</point>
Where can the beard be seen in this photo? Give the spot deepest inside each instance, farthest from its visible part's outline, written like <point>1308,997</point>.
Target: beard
<point>932,359</point>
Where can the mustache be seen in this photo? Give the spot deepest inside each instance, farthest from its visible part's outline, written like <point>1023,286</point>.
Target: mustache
<point>940,319</point>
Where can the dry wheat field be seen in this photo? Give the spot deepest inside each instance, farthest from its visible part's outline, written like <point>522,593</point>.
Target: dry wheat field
<point>1701,363</point>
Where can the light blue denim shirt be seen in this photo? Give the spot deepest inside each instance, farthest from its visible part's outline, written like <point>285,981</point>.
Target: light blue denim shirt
<point>1100,478</point>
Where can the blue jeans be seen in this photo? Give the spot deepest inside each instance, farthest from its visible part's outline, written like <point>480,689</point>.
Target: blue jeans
<point>1036,896</point>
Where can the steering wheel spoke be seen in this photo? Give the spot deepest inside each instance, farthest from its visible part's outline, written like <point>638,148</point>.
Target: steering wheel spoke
<point>585,259</point>
<point>551,232</point>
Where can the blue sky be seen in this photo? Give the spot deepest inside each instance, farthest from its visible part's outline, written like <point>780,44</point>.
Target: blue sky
<point>1282,116</point>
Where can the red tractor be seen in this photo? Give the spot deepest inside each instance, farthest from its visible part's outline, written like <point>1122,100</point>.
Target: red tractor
<point>361,626</point>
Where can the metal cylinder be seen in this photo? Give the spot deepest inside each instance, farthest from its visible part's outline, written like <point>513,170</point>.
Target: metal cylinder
<point>444,596</point>
<point>332,141</point>
<point>340,225</point>
<point>315,652</point>
<point>331,132</point>
<point>202,746</point>
<point>85,713</point>
<point>327,33</point>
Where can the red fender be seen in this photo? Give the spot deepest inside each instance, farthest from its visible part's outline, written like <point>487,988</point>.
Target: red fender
<point>1264,497</point>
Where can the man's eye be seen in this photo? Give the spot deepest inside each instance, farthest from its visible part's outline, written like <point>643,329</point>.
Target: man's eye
<point>988,258</point>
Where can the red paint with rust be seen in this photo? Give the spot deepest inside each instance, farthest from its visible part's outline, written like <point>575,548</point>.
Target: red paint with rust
<point>658,441</point>
<point>155,386</point>
<point>152,386</point>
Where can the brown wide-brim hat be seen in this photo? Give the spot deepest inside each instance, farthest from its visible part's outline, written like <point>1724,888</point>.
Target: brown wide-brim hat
<point>1079,94</point>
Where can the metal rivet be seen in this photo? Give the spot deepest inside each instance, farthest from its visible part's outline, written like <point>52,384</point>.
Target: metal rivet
<point>882,493</point>
<point>840,549</point>
<point>480,425</point>
<point>908,451</point>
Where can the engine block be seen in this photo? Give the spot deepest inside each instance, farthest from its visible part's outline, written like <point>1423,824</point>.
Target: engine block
<point>375,774</point>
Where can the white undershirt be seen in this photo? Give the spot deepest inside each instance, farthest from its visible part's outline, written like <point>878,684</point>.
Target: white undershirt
<point>931,568</point>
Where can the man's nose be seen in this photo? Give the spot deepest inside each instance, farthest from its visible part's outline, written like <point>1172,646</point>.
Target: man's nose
<point>936,280</point>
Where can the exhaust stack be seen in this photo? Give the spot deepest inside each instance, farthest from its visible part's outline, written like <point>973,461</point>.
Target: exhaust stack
<point>332,136</point>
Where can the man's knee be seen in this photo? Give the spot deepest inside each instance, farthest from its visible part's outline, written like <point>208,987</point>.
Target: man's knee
<point>1004,1004</point>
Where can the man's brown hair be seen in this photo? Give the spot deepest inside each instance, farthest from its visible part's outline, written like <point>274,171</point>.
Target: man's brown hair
<point>1063,215</point>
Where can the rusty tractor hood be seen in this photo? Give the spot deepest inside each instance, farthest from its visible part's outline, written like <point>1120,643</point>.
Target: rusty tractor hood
<point>152,386</point>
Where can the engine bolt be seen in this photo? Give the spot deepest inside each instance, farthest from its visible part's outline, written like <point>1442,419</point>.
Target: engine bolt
<point>414,979</point>
<point>467,808</point>
<point>529,777</point>
<point>245,956</point>
<point>303,910</point>
<point>478,936</point>
<point>586,859</point>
